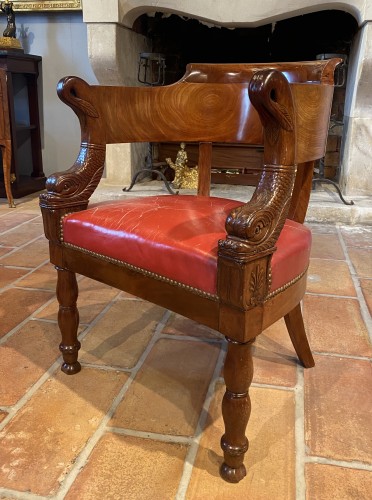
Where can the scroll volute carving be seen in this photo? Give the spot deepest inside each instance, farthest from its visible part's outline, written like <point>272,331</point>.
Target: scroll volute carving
<point>79,95</point>
<point>253,228</point>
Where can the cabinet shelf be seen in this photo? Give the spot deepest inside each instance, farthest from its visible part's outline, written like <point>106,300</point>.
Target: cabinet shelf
<point>22,128</point>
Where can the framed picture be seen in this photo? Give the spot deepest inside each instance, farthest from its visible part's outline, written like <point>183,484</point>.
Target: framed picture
<point>44,5</point>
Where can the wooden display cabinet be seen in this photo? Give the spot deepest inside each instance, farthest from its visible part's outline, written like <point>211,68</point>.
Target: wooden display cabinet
<point>21,95</point>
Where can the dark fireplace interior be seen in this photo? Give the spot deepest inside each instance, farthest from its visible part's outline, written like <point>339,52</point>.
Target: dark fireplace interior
<point>183,40</point>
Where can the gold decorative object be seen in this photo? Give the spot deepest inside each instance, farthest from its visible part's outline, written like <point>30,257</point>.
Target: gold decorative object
<point>9,40</point>
<point>185,176</point>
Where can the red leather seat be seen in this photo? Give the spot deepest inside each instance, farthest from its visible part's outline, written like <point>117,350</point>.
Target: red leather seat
<point>176,237</point>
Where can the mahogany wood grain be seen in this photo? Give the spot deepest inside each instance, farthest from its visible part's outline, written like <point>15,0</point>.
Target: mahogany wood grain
<point>238,374</point>
<point>254,104</point>
<point>301,192</point>
<point>68,319</point>
<point>296,330</point>
<point>205,167</point>
<point>321,71</point>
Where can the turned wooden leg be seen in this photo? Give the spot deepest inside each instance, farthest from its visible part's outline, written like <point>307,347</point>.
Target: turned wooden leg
<point>236,409</point>
<point>68,320</point>
<point>296,330</point>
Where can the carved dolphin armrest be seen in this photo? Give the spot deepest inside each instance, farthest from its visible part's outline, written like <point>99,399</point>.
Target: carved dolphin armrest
<point>253,228</point>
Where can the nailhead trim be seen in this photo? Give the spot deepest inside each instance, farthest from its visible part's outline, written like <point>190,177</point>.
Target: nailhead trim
<point>145,272</point>
<point>168,280</point>
<point>287,285</point>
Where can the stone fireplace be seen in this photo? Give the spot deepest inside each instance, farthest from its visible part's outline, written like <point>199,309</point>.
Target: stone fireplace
<point>239,31</point>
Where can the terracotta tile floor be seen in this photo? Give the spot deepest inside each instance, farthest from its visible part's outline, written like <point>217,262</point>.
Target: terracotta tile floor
<point>143,421</point>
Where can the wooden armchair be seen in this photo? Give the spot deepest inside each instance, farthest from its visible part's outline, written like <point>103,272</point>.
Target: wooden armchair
<point>235,267</point>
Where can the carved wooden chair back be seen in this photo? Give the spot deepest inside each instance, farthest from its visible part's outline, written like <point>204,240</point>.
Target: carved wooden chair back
<point>320,72</point>
<point>235,267</point>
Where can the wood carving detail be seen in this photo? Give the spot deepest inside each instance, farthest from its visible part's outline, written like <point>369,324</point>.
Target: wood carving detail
<point>254,227</point>
<point>257,285</point>
<point>75,186</point>
<point>69,89</point>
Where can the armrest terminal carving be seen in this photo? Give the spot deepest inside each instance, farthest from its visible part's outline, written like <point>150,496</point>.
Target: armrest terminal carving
<point>72,189</point>
<point>75,186</point>
<point>254,228</point>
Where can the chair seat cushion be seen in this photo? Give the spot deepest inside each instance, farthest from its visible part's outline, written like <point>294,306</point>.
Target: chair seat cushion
<point>176,237</point>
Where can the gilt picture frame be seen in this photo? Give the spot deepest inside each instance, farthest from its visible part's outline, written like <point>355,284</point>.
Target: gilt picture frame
<point>47,5</point>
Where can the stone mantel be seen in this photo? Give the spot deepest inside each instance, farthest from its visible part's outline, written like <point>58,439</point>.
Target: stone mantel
<point>242,13</point>
<point>113,51</point>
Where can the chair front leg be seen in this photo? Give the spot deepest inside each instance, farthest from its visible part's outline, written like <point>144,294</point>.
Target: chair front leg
<point>68,320</point>
<point>236,409</point>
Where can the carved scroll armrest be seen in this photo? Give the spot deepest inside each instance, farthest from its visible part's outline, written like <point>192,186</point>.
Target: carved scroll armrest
<point>252,229</point>
<point>72,189</point>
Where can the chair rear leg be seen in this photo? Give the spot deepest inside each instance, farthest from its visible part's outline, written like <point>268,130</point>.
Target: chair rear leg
<point>68,320</point>
<point>296,330</point>
<point>236,409</point>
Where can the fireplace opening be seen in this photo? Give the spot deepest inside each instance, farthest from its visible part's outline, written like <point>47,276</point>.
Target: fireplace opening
<point>183,40</point>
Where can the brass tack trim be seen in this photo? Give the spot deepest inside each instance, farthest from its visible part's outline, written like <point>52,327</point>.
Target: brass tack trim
<point>156,276</point>
<point>168,280</point>
<point>287,285</point>
<point>61,226</point>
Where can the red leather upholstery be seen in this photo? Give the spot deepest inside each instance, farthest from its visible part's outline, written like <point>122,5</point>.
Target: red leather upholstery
<point>176,237</point>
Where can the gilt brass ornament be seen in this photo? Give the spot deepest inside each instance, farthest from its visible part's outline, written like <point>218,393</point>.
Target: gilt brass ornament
<point>185,177</point>
<point>9,41</point>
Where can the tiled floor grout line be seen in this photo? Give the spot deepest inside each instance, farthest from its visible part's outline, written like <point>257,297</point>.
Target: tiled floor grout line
<point>192,452</point>
<point>106,368</point>
<point>362,303</point>
<point>31,317</point>
<point>332,296</point>
<point>88,326</point>
<point>210,340</point>
<point>261,385</point>
<point>21,246</point>
<point>338,355</point>
<point>18,267</point>
<point>21,495</point>
<point>164,438</point>
<point>13,410</point>
<point>15,228</point>
<point>102,428</point>
<point>21,402</point>
<point>300,449</point>
<point>313,459</point>
<point>13,284</point>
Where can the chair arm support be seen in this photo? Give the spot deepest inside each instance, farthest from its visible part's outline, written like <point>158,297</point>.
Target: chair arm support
<point>253,228</point>
<point>74,186</point>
